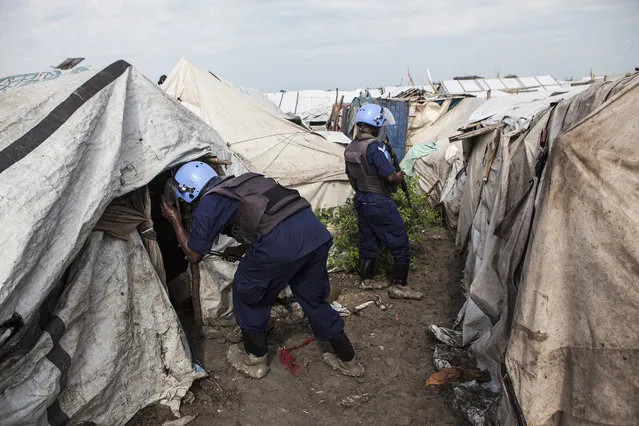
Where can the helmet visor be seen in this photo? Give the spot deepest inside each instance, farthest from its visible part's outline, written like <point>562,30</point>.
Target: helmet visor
<point>388,116</point>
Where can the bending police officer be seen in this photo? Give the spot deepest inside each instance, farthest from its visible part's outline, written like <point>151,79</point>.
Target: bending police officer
<point>284,243</point>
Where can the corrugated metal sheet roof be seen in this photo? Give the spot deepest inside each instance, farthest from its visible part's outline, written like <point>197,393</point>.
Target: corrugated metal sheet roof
<point>478,86</point>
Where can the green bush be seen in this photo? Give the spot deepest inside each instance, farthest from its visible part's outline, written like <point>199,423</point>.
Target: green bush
<point>342,222</point>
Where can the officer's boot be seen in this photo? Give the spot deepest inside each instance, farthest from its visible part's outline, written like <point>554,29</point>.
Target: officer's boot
<point>400,288</point>
<point>343,360</point>
<point>252,360</point>
<point>367,273</point>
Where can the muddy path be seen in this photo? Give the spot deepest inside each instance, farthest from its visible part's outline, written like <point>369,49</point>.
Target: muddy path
<point>393,345</point>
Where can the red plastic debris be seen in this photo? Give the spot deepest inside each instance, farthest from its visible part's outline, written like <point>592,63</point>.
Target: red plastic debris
<point>288,359</point>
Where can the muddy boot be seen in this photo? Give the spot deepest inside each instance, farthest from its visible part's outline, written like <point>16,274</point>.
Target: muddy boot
<point>400,288</point>
<point>367,273</point>
<point>252,360</point>
<point>343,360</point>
<point>350,368</point>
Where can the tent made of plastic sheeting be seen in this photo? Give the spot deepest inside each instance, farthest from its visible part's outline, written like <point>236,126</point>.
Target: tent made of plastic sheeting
<point>87,332</point>
<point>438,172</point>
<point>574,348</point>
<point>516,110</point>
<point>267,144</point>
<point>334,137</point>
<point>548,214</point>
<point>500,86</point>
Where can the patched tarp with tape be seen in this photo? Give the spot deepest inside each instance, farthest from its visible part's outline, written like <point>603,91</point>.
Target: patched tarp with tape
<point>86,329</point>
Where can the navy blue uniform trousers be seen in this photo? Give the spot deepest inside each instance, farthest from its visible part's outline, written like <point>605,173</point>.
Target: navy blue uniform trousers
<point>257,284</point>
<point>379,222</point>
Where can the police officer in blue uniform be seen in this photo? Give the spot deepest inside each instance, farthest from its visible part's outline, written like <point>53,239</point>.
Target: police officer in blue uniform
<point>374,179</point>
<point>283,243</point>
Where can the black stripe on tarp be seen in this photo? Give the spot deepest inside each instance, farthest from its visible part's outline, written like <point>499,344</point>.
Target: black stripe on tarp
<point>61,359</point>
<point>55,415</point>
<point>20,148</point>
<point>55,328</point>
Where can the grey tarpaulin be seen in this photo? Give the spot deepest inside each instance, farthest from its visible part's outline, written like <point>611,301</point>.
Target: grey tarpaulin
<point>86,329</point>
<point>129,212</point>
<point>574,349</point>
<point>551,260</point>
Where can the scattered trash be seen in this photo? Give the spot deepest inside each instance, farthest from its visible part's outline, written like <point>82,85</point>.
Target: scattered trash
<point>396,317</point>
<point>476,402</point>
<point>446,356</point>
<point>404,292</point>
<point>340,309</point>
<point>182,421</point>
<point>448,336</point>
<point>189,398</point>
<point>380,304</point>
<point>290,313</point>
<point>460,315</point>
<point>453,374</point>
<point>355,400</point>
<point>357,309</point>
<point>284,410</point>
<point>288,359</point>
<point>198,372</point>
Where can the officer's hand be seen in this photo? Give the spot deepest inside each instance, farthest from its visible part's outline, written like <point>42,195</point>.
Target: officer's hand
<point>170,213</point>
<point>396,178</point>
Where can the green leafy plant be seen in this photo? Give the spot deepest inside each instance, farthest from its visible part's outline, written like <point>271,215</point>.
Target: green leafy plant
<point>342,222</point>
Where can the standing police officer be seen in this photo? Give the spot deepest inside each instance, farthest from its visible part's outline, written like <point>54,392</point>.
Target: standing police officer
<point>374,179</point>
<point>284,242</point>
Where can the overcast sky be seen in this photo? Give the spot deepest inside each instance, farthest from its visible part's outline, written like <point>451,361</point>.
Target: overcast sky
<point>309,44</point>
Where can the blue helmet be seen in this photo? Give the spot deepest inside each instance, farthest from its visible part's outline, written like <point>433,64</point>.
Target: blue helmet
<point>371,114</point>
<point>191,178</point>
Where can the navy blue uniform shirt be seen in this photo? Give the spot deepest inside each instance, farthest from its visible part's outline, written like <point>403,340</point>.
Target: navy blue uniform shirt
<point>291,239</point>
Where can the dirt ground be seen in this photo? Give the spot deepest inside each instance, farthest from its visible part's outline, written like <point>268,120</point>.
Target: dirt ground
<point>394,346</point>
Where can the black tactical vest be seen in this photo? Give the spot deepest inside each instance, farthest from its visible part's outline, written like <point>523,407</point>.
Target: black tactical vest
<point>263,203</point>
<point>362,175</point>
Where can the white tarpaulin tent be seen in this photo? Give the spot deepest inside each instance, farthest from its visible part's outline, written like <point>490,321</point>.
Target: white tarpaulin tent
<point>268,144</point>
<point>552,264</point>
<point>87,332</point>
